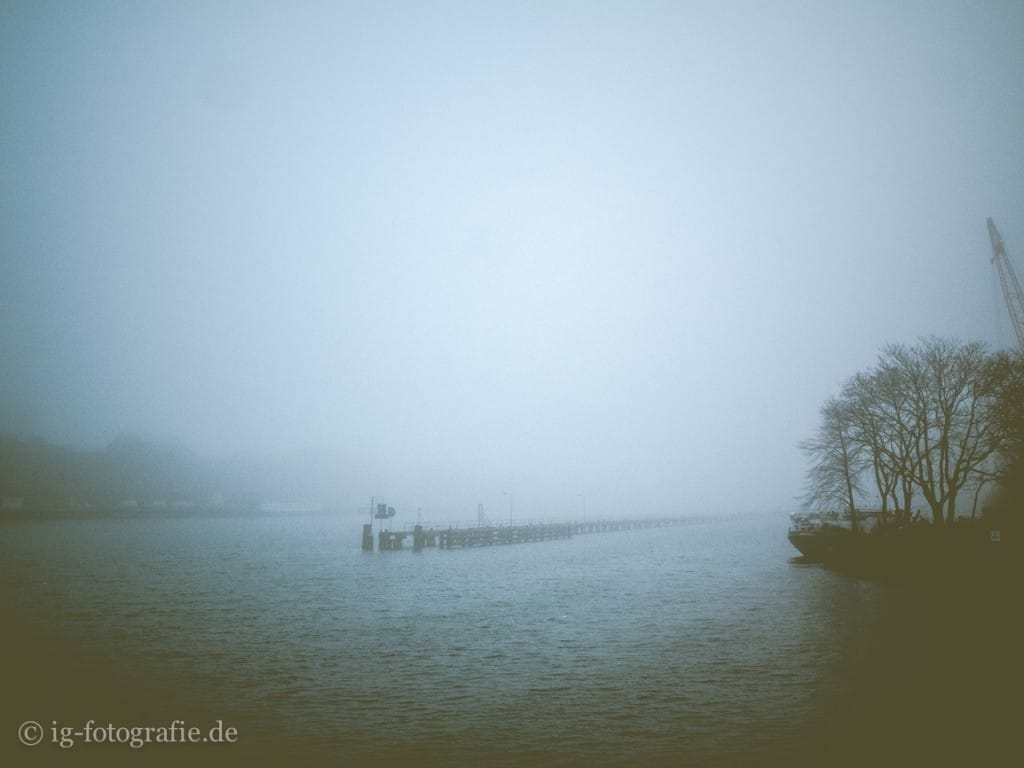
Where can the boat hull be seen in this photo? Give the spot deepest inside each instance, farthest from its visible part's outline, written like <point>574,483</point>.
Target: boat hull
<point>818,545</point>
<point>960,553</point>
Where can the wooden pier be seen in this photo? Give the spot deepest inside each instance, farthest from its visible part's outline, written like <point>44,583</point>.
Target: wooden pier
<point>457,537</point>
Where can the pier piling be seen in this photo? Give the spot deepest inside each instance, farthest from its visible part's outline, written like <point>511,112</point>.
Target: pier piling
<point>491,535</point>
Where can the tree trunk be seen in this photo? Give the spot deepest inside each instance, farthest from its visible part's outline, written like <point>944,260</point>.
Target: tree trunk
<point>849,483</point>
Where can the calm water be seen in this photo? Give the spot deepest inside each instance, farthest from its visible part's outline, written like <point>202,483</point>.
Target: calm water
<point>696,645</point>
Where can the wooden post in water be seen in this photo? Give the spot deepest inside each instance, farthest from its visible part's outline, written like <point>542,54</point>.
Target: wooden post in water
<point>368,537</point>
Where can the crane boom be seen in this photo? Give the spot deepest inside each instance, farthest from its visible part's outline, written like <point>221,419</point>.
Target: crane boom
<point>1012,294</point>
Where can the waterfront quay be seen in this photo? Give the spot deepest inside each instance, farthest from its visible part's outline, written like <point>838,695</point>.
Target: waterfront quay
<point>486,535</point>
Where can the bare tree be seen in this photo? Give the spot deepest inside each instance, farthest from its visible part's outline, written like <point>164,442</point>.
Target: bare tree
<point>837,462</point>
<point>953,397</point>
<point>929,419</point>
<point>874,432</point>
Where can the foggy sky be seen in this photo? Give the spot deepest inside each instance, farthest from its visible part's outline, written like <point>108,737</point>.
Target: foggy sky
<point>623,250</point>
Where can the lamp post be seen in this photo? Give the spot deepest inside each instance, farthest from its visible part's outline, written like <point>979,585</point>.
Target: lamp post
<point>511,503</point>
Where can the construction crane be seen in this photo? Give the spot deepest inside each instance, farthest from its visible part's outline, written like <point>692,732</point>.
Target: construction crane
<point>1008,279</point>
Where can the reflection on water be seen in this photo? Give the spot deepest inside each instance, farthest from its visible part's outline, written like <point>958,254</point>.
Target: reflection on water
<point>697,645</point>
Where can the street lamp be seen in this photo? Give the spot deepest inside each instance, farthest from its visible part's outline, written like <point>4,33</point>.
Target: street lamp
<point>511,502</point>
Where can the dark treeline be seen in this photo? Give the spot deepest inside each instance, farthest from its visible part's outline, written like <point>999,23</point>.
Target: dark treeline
<point>938,426</point>
<point>1008,501</point>
<point>129,475</point>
